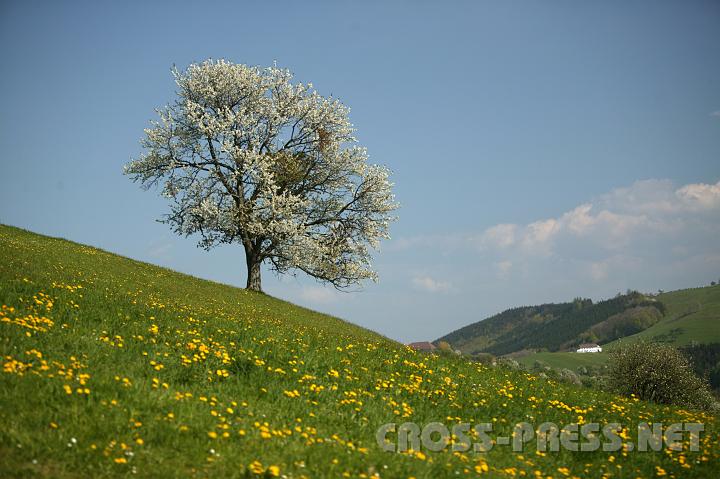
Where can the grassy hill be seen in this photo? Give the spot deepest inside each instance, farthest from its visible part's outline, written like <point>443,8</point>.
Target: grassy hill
<point>564,360</point>
<point>112,367</point>
<point>692,315</point>
<point>558,327</point>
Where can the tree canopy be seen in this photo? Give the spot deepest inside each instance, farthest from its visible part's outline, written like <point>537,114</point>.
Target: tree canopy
<point>247,156</point>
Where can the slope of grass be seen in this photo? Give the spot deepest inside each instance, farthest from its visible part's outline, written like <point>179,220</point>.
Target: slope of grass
<point>564,360</point>
<point>692,315</point>
<point>113,367</point>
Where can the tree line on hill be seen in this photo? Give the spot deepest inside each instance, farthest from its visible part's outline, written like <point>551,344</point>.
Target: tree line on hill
<point>558,327</point>
<point>705,359</point>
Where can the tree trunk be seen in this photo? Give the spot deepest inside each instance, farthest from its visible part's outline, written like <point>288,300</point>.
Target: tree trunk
<point>253,271</point>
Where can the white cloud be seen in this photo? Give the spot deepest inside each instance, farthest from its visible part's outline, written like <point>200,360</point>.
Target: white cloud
<point>539,233</point>
<point>579,220</point>
<point>700,196</point>
<point>612,221</point>
<point>426,283</point>
<point>651,234</point>
<point>650,219</point>
<point>502,235</point>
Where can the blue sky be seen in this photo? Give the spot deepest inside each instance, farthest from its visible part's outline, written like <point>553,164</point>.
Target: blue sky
<point>540,150</point>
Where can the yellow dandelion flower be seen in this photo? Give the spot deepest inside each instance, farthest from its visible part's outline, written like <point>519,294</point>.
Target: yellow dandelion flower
<point>256,467</point>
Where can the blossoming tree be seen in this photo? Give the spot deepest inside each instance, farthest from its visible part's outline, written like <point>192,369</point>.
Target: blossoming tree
<point>246,156</point>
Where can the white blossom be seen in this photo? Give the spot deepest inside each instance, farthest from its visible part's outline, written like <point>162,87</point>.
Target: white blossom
<point>246,156</point>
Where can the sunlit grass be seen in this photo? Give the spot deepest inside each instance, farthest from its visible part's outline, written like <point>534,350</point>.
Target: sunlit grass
<point>113,367</point>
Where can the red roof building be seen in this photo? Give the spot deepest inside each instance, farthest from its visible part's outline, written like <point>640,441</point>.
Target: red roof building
<point>423,346</point>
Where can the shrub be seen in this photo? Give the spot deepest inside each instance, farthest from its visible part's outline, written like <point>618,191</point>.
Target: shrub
<point>568,376</point>
<point>659,373</point>
<point>484,358</point>
<point>594,382</point>
<point>509,363</point>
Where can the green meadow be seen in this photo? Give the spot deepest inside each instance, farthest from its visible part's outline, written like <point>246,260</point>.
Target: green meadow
<point>117,368</point>
<point>566,360</point>
<point>693,315</point>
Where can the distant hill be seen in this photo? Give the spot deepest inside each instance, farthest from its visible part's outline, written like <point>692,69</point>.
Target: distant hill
<point>559,327</point>
<point>692,316</point>
<point>691,323</point>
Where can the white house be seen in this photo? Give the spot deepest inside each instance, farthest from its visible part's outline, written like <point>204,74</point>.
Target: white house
<point>589,348</point>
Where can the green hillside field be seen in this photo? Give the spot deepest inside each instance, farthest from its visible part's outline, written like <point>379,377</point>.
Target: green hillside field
<point>558,327</point>
<point>565,360</point>
<point>693,315</point>
<point>116,368</point>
